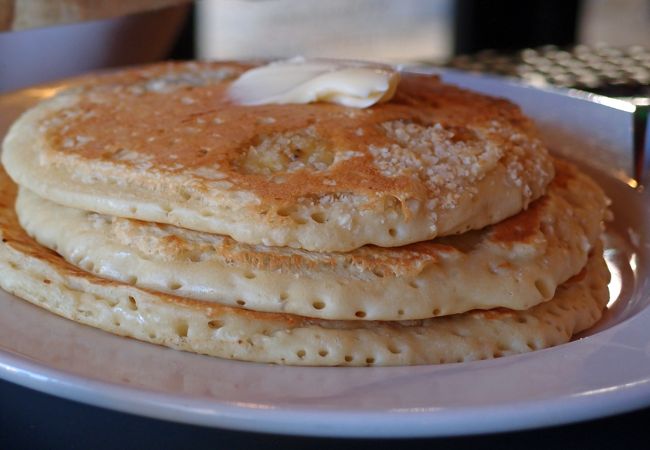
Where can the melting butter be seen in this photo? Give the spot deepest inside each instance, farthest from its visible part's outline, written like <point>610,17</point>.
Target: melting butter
<point>300,80</point>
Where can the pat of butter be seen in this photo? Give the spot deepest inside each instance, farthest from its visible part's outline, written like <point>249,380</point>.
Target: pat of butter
<point>300,80</point>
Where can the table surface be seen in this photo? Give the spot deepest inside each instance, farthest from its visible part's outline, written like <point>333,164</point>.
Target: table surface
<point>32,420</point>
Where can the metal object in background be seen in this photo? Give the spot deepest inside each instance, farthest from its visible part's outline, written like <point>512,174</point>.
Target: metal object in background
<point>622,73</point>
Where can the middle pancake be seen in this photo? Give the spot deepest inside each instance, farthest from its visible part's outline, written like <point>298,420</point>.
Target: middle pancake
<point>516,264</point>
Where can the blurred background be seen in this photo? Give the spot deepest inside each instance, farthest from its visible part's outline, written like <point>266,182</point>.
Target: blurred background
<point>592,44</point>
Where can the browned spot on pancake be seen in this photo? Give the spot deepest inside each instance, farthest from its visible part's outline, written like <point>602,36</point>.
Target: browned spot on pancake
<point>184,244</point>
<point>175,242</point>
<point>521,227</point>
<point>564,175</point>
<point>397,261</point>
<point>579,277</point>
<point>493,314</point>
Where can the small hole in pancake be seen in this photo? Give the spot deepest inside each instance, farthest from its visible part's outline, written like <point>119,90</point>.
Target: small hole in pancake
<point>414,284</point>
<point>392,232</point>
<point>553,312</point>
<point>370,360</point>
<point>284,297</point>
<point>378,273</point>
<point>46,281</point>
<point>185,194</point>
<point>215,324</point>
<point>132,280</point>
<point>133,305</point>
<point>544,289</point>
<point>181,328</point>
<point>360,314</point>
<point>174,285</point>
<point>152,336</point>
<point>284,212</point>
<point>521,319</point>
<point>116,321</point>
<point>249,275</point>
<point>14,266</point>
<point>301,354</point>
<point>166,209</point>
<point>4,240</point>
<point>300,220</point>
<point>323,353</point>
<point>547,228</point>
<point>400,312</point>
<point>207,213</point>
<point>318,305</point>
<point>202,152</point>
<point>318,217</point>
<point>436,312</point>
<point>531,345</point>
<point>133,210</point>
<point>241,302</point>
<point>394,350</point>
<point>348,358</point>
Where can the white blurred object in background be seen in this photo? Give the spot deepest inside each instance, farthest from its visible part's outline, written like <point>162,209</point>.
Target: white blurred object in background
<point>38,55</point>
<point>387,30</point>
<point>615,22</point>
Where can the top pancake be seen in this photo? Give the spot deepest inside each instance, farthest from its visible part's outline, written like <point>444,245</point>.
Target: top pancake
<point>165,144</point>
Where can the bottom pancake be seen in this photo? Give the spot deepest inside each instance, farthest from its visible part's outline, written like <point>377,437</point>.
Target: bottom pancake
<point>44,278</point>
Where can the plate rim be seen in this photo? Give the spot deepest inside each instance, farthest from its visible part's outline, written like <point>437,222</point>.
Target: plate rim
<point>520,416</point>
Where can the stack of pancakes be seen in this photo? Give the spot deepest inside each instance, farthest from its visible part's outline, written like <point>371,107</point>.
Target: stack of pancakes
<point>432,228</point>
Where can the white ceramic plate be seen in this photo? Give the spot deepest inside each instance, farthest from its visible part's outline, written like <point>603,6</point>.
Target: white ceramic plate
<point>604,372</point>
